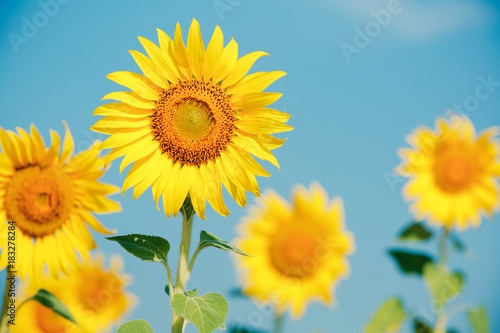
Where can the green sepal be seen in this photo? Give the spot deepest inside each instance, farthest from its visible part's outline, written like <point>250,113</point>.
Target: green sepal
<point>410,262</point>
<point>146,248</point>
<point>388,318</point>
<point>457,243</point>
<point>416,231</point>
<point>190,293</point>
<point>49,300</point>
<point>135,326</point>
<point>207,313</point>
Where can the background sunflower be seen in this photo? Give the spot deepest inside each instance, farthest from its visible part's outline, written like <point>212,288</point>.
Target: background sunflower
<point>50,196</point>
<point>297,250</point>
<point>350,119</point>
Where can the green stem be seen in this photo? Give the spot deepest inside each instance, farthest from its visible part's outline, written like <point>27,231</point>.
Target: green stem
<point>191,262</point>
<point>442,246</point>
<point>182,271</point>
<point>441,321</point>
<point>5,303</point>
<point>278,324</point>
<point>170,284</point>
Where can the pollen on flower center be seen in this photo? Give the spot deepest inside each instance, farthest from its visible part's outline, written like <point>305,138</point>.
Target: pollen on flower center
<point>193,122</point>
<point>38,200</point>
<point>295,254</point>
<point>193,119</point>
<point>454,167</point>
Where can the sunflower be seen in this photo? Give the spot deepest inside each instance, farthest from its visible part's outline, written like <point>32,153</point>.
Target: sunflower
<point>192,121</point>
<point>452,173</point>
<point>49,196</point>
<point>95,296</point>
<point>297,252</point>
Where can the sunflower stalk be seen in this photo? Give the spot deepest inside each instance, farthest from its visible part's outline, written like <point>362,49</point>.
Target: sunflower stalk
<point>440,326</point>
<point>278,323</point>
<point>443,256</point>
<point>188,213</point>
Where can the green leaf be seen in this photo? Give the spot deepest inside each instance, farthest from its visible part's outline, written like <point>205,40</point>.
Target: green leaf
<point>388,318</point>
<point>208,239</point>
<point>478,320</point>
<point>48,299</point>
<point>191,293</point>
<point>410,262</point>
<point>147,248</point>
<point>452,330</point>
<point>420,326</point>
<point>207,313</point>
<point>443,285</point>
<point>135,326</point>
<point>415,232</point>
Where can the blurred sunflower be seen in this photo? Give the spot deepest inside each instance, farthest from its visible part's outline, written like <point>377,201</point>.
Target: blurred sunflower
<point>50,197</point>
<point>95,296</point>
<point>297,252</point>
<point>453,173</point>
<point>191,121</point>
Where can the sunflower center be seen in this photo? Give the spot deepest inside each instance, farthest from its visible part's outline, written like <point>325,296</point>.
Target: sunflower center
<point>193,122</point>
<point>457,171</point>
<point>193,119</point>
<point>454,168</point>
<point>39,199</point>
<point>99,290</point>
<point>48,321</point>
<point>295,254</point>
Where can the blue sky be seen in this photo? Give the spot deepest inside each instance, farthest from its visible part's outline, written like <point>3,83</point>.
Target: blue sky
<point>350,113</point>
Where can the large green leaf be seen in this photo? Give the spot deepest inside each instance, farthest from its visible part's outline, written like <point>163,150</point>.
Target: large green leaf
<point>207,313</point>
<point>135,326</point>
<point>147,248</point>
<point>478,320</point>
<point>388,318</point>
<point>48,299</point>
<point>444,285</point>
<point>208,239</point>
<point>410,262</point>
<point>416,231</point>
<point>420,326</point>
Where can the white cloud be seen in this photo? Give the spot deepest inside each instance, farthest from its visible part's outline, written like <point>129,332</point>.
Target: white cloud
<point>422,20</point>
